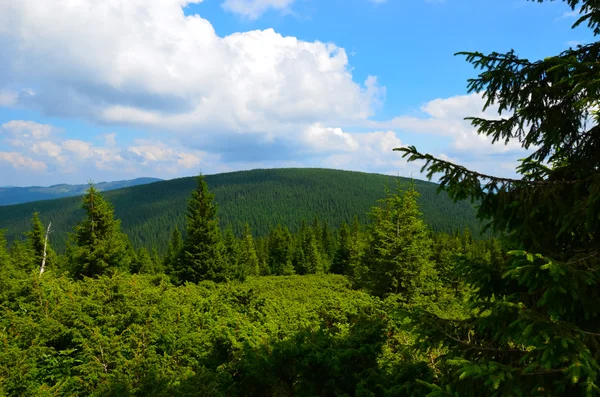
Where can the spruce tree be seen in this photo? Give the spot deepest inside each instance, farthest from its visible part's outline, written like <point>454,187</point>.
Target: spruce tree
<point>36,243</point>
<point>202,252</point>
<point>536,313</point>
<point>99,245</point>
<point>144,263</point>
<point>248,259</point>
<point>398,257</point>
<point>280,251</point>
<point>173,251</point>
<point>231,255</point>
<point>341,258</point>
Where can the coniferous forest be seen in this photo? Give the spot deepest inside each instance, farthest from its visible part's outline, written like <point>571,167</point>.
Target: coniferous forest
<point>375,304</point>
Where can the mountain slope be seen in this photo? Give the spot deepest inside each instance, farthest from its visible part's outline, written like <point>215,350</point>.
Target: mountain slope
<point>17,195</point>
<point>261,197</point>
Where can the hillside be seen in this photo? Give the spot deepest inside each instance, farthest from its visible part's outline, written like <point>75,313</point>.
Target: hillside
<point>262,198</point>
<point>17,195</point>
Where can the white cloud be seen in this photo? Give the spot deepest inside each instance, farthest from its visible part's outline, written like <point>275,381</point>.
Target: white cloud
<point>80,149</point>
<point>253,9</point>
<point>20,129</point>
<point>147,64</point>
<point>444,117</point>
<point>18,160</point>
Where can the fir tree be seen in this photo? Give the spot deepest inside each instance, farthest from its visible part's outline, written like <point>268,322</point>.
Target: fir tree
<point>145,264</point>
<point>280,251</point>
<point>36,243</point>
<point>397,260</point>
<point>231,254</point>
<point>173,251</point>
<point>202,252</point>
<point>248,259</point>
<point>341,259</point>
<point>100,246</point>
<point>536,313</point>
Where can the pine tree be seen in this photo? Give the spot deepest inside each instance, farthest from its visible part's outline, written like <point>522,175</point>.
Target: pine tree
<point>341,259</point>
<point>536,312</point>
<point>280,251</point>
<point>4,256</point>
<point>145,264</point>
<point>248,259</point>
<point>397,260</point>
<point>231,254</point>
<point>99,245</point>
<point>329,246</point>
<point>202,252</point>
<point>36,243</point>
<point>173,251</point>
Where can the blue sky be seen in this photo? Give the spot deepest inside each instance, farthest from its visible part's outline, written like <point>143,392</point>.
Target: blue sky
<point>167,88</point>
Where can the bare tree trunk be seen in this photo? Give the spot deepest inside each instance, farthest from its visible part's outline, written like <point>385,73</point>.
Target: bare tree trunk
<point>45,245</point>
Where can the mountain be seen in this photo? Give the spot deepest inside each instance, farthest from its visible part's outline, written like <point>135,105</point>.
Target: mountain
<point>263,198</point>
<point>16,195</point>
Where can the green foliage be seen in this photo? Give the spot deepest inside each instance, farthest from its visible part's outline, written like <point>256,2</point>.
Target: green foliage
<point>202,254</point>
<point>99,245</point>
<point>398,255</point>
<point>36,241</point>
<point>247,257</point>
<point>140,336</point>
<point>533,321</point>
<point>173,252</point>
<point>280,251</point>
<point>261,198</point>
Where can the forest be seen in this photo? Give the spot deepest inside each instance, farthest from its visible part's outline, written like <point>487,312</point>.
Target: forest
<point>375,305</point>
<point>262,198</point>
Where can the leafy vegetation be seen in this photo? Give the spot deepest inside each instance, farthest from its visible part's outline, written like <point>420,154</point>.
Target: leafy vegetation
<point>380,308</point>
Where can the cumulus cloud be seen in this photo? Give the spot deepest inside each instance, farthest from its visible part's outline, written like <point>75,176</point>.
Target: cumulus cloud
<point>444,117</point>
<point>55,154</point>
<point>18,160</point>
<point>246,98</point>
<point>147,64</point>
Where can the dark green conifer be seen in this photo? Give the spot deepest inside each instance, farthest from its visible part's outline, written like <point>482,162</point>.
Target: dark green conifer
<point>202,252</point>
<point>248,259</point>
<point>533,329</point>
<point>280,251</point>
<point>398,256</point>
<point>99,245</point>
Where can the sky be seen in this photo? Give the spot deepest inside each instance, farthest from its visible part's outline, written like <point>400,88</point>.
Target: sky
<point>118,89</point>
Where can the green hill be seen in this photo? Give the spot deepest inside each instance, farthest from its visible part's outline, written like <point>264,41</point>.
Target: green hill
<point>262,198</point>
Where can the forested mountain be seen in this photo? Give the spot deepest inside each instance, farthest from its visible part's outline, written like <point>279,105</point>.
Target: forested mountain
<point>263,198</point>
<point>17,195</point>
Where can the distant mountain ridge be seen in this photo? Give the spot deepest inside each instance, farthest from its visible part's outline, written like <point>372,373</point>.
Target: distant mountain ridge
<point>10,195</point>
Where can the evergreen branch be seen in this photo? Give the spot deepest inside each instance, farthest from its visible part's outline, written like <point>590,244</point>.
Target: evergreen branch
<point>438,164</point>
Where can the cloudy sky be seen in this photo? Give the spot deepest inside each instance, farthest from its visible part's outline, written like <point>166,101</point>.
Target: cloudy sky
<point>117,89</point>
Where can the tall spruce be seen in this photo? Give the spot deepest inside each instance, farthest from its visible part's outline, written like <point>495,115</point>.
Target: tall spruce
<point>280,251</point>
<point>248,259</point>
<point>202,252</point>
<point>536,314</point>
<point>398,257</point>
<point>99,247</point>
